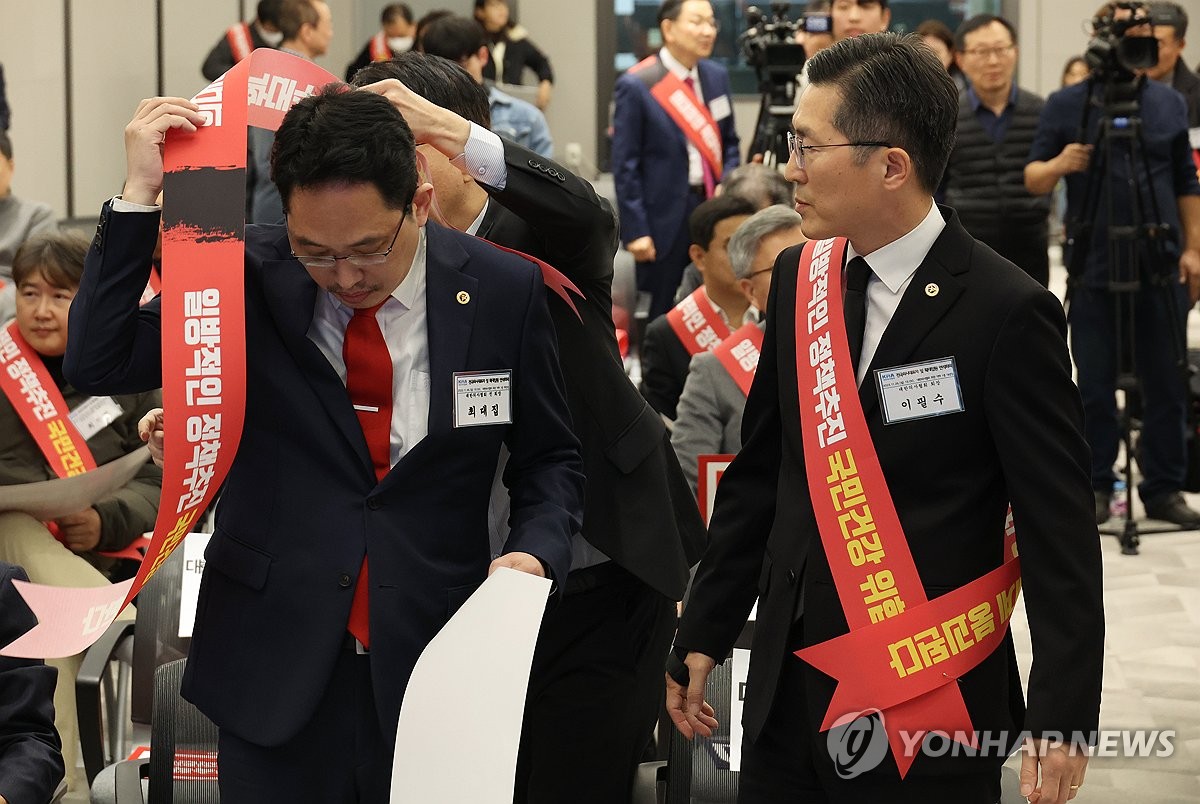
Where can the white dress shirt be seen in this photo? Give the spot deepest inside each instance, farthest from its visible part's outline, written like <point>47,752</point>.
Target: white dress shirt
<point>695,165</point>
<point>892,269</point>
<point>402,318</point>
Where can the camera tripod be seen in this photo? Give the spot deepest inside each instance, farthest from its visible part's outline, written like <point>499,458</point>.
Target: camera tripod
<point>1136,254</point>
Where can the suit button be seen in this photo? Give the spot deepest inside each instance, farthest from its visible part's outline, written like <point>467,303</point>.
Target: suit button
<point>374,504</point>
<point>344,581</point>
<point>791,577</point>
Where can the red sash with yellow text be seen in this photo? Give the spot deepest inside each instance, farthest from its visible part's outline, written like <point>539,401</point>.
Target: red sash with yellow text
<point>682,106</point>
<point>36,399</point>
<point>903,652</point>
<point>739,354</point>
<point>697,324</point>
<point>378,48</point>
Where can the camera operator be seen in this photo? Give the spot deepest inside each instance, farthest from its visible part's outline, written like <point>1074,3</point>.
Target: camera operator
<point>1163,173</point>
<point>1170,28</point>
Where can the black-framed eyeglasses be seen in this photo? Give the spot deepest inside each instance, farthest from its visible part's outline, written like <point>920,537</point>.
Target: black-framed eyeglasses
<point>753,274</point>
<point>798,148</point>
<point>357,260</point>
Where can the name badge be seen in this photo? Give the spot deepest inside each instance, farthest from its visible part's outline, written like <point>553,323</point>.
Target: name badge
<point>719,108</point>
<point>482,397</point>
<point>94,415</point>
<point>919,390</point>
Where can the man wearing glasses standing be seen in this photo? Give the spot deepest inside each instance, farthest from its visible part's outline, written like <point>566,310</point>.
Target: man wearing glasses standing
<point>369,333</point>
<point>673,139</point>
<point>887,431</point>
<point>997,120</point>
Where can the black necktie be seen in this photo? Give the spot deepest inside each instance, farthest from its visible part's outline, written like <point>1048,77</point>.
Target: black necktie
<point>855,305</point>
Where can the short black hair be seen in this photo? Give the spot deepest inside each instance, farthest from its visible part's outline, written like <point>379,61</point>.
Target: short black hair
<point>426,20</point>
<point>337,136</point>
<point>454,37</point>
<point>894,90</point>
<point>393,10</point>
<point>1171,14</point>
<point>268,11</point>
<point>704,218</point>
<point>294,15</point>
<point>436,79</point>
<point>973,24</point>
<point>5,145</point>
<point>938,30</point>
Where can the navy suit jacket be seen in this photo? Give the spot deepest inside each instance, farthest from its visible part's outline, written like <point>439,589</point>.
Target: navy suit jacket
<point>30,762</point>
<point>649,155</point>
<point>301,503</point>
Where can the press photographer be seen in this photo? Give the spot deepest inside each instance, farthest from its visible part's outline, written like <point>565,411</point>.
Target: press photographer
<point>1121,143</point>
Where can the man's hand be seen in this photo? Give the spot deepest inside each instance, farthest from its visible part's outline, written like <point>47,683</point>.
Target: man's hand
<point>1189,273</point>
<point>642,249</point>
<point>543,95</point>
<point>1063,766</point>
<point>690,713</point>
<point>80,532</point>
<point>430,123</point>
<point>150,430</point>
<point>144,137</point>
<point>1073,159</point>
<point>519,561</point>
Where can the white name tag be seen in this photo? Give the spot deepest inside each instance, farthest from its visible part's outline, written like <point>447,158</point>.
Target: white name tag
<point>1194,138</point>
<point>482,397</point>
<point>94,415</point>
<point>719,108</point>
<point>919,390</point>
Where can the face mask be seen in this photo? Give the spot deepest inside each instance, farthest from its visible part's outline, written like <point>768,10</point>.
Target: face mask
<point>400,44</point>
<point>272,38</point>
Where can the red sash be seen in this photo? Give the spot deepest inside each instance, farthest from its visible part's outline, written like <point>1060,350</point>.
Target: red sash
<point>378,48</point>
<point>682,106</point>
<point>903,652</point>
<point>241,44</point>
<point>739,354</point>
<point>697,324</point>
<point>39,403</point>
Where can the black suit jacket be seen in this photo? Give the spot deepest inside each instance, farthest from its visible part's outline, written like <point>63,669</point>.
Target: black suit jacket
<point>30,763</point>
<point>665,362</point>
<point>639,509</point>
<point>301,503</point>
<point>220,58</point>
<point>951,477</point>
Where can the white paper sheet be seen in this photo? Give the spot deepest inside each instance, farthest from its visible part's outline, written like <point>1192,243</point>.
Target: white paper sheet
<point>51,499</point>
<point>460,723</point>
<point>737,699</point>
<point>194,545</point>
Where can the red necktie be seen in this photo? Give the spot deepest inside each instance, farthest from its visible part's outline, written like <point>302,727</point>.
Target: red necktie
<point>710,183</point>
<point>369,383</point>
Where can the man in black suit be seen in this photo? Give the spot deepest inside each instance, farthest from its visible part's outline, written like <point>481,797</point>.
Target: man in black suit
<point>600,652</point>
<point>242,39</point>
<point>30,762</point>
<point>927,294</point>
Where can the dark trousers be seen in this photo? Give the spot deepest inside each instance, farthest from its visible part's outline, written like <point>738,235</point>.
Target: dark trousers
<point>790,763</point>
<point>661,277</point>
<point>339,757</point>
<point>1163,458</point>
<point>595,691</point>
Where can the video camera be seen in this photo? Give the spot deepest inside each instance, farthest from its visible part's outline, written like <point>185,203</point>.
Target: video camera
<point>769,42</point>
<point>1114,57</point>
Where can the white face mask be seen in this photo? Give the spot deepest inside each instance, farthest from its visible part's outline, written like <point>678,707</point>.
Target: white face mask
<point>400,44</point>
<point>272,38</point>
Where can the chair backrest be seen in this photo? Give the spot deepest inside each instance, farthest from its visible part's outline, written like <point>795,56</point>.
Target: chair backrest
<point>698,770</point>
<point>157,639</point>
<point>183,745</point>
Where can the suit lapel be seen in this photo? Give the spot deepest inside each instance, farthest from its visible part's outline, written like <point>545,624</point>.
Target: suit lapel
<point>451,298</point>
<point>921,307</point>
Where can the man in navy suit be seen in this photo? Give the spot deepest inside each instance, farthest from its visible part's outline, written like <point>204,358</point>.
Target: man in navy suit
<point>304,712</point>
<point>673,138</point>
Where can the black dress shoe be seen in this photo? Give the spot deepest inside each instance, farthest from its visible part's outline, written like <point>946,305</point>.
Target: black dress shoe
<point>1172,508</point>
<point>1103,506</point>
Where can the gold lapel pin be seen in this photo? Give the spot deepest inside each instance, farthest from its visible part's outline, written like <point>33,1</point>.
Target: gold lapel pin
<point>463,297</point>
<point>932,290</point>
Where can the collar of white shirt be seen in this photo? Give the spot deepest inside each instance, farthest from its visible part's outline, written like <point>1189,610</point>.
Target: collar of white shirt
<point>895,263</point>
<point>412,284</point>
<point>673,64</point>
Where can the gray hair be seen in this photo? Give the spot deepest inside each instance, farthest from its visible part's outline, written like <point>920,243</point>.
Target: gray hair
<point>743,246</point>
<point>762,186</point>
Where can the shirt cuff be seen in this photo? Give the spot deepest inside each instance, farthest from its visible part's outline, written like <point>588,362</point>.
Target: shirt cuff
<point>119,204</point>
<point>483,158</point>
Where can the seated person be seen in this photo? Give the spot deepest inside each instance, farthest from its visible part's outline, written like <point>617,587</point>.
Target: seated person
<point>65,552</point>
<point>709,420</point>
<point>18,220</point>
<point>703,319</point>
<point>30,763</point>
